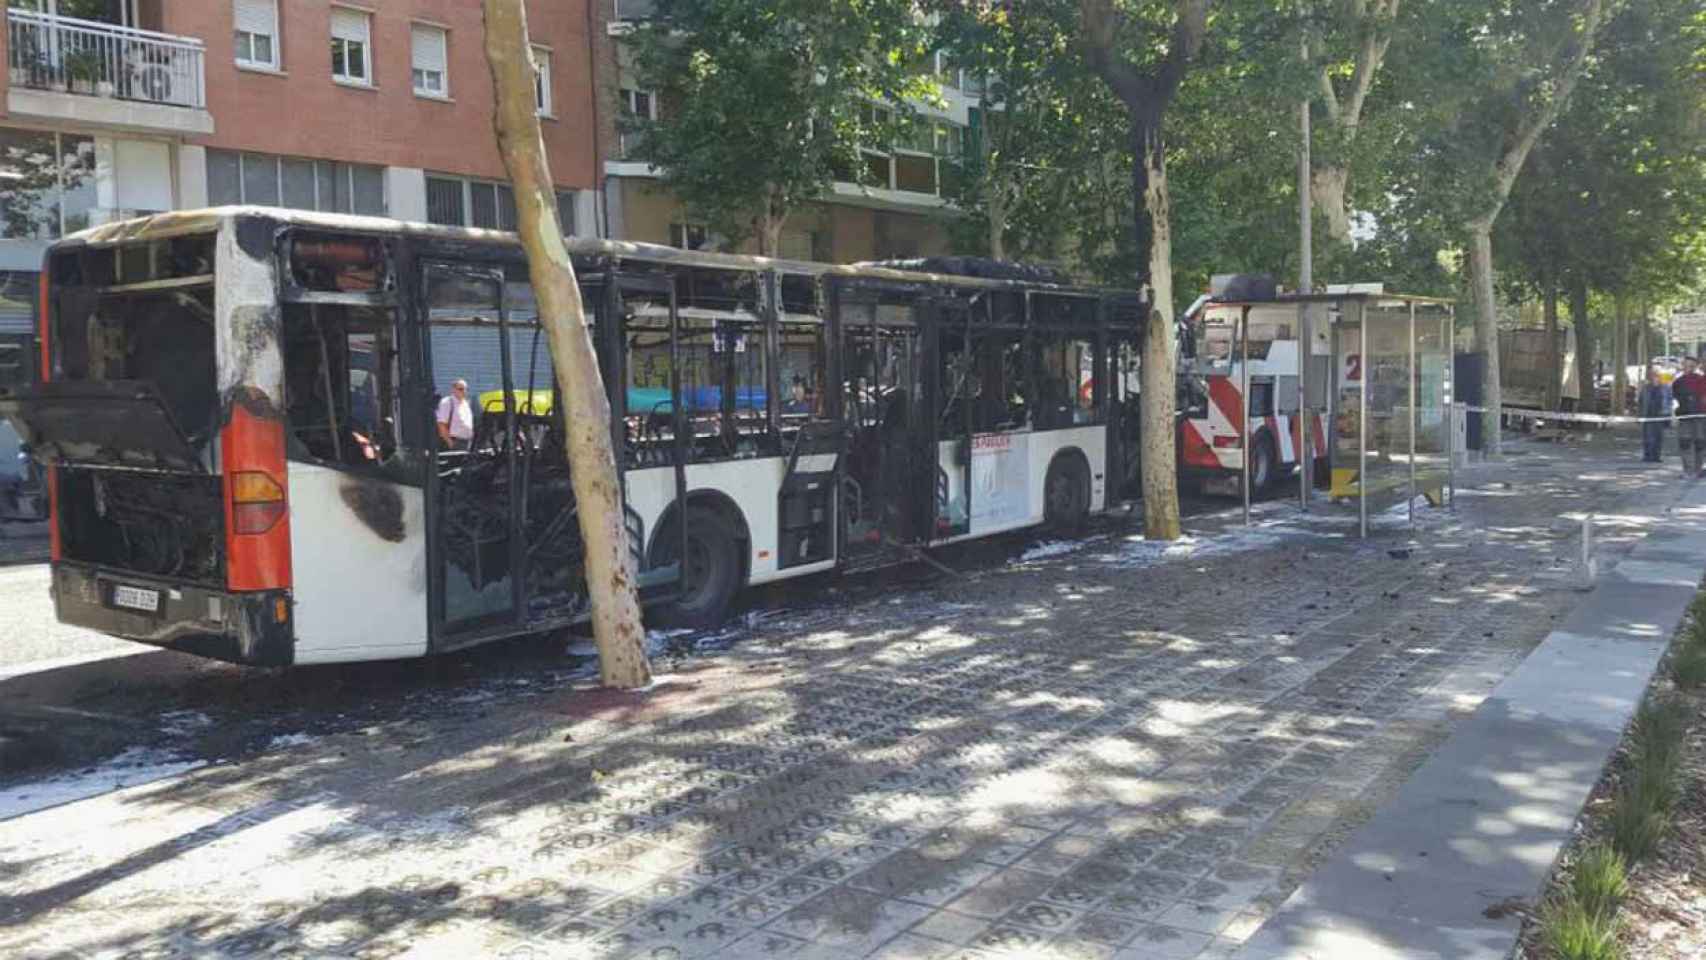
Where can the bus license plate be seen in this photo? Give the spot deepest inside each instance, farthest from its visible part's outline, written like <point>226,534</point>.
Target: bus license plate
<point>136,598</point>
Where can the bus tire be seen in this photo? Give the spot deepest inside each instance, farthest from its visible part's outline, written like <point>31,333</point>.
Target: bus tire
<point>1262,469</point>
<point>1066,494</point>
<point>711,575</point>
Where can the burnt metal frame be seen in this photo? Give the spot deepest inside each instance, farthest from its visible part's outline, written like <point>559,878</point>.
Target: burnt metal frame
<point>843,290</point>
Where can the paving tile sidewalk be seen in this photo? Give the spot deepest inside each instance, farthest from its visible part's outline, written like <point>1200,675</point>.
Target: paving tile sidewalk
<point>1126,750</point>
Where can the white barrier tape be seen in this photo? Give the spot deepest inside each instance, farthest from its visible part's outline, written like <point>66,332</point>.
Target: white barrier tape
<point>1580,417</point>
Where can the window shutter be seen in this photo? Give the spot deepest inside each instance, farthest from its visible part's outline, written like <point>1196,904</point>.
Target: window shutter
<point>427,46</point>
<point>349,25</point>
<point>255,16</point>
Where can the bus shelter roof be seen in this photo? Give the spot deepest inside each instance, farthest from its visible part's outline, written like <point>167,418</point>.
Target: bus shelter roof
<point>1330,298</point>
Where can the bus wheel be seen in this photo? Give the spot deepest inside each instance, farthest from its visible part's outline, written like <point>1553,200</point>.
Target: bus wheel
<point>710,577</point>
<point>1262,467</point>
<point>1066,495</point>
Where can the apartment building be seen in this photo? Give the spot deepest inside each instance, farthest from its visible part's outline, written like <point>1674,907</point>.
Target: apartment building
<point>114,108</point>
<point>899,211</point>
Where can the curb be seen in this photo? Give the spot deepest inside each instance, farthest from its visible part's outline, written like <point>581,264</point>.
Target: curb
<point>1485,819</point>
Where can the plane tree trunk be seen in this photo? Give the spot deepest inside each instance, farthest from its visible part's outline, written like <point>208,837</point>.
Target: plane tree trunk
<point>610,576</point>
<point>1146,94</point>
<point>1554,371</point>
<point>1530,121</point>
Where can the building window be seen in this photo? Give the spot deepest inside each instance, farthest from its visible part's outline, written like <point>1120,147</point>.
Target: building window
<point>47,184</point>
<point>428,48</point>
<point>542,80</point>
<point>915,162</point>
<point>688,236</point>
<point>461,202</point>
<point>639,104</point>
<point>636,105</point>
<point>566,211</point>
<point>351,30</point>
<point>273,181</point>
<point>257,33</point>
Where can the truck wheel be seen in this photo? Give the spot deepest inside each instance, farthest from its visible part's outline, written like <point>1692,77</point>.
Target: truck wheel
<point>1262,466</point>
<point>710,575</point>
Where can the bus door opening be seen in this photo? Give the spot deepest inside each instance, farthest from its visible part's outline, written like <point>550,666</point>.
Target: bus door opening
<point>958,388</point>
<point>644,370</point>
<point>888,486</point>
<point>812,439</point>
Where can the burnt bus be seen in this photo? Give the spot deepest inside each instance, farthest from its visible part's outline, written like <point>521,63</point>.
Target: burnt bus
<point>237,417</point>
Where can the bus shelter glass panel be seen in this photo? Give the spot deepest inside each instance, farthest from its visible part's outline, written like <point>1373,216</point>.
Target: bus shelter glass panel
<point>1385,480</point>
<point>1346,398</point>
<point>1433,393</point>
<point>1314,400</point>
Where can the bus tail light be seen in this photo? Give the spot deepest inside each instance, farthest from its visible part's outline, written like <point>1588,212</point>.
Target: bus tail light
<point>44,316</point>
<point>257,502</point>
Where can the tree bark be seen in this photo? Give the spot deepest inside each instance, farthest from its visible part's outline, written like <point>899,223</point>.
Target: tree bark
<point>1555,374</point>
<point>1644,345</point>
<point>1145,96</point>
<point>610,577</point>
<point>1159,372</point>
<point>1486,334</point>
<point>995,186</point>
<point>1584,343</point>
<point>1620,357</point>
<point>1505,169</point>
<point>1328,187</point>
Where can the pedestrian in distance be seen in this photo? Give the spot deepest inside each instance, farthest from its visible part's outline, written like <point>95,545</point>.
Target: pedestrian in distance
<point>1689,391</point>
<point>456,418</point>
<point>1653,408</point>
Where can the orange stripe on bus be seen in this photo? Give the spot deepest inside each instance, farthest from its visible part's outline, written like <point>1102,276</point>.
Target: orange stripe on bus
<point>259,561</point>
<point>54,546</point>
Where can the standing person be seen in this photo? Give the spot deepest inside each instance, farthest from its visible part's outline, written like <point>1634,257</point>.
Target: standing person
<point>1690,393</point>
<point>456,418</point>
<point>1653,407</point>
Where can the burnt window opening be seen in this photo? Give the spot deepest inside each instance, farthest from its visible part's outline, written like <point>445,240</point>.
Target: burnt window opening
<point>165,526</point>
<point>165,338</point>
<point>1001,401</point>
<point>803,366</point>
<point>340,368</point>
<point>1066,380</point>
<point>800,295</point>
<point>341,264</point>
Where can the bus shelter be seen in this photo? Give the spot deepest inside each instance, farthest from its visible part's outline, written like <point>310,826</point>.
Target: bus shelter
<point>1366,401</point>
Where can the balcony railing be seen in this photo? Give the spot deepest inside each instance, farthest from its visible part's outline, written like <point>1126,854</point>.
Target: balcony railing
<point>103,59</point>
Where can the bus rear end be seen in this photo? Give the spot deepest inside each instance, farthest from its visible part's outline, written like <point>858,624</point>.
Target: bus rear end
<point>158,418</point>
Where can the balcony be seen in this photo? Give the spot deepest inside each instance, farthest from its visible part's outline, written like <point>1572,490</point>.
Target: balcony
<point>105,75</point>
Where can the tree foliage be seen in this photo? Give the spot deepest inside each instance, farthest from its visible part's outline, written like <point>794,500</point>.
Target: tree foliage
<point>1046,175</point>
<point>763,103</point>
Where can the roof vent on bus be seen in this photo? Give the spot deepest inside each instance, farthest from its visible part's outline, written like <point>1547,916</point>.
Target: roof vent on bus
<point>1243,286</point>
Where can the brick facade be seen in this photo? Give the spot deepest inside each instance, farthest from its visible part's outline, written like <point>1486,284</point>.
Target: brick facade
<point>302,111</point>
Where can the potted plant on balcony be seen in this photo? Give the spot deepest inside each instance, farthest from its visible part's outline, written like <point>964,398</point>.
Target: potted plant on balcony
<point>83,67</point>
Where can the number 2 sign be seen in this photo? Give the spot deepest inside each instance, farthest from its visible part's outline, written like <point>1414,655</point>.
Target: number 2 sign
<point>1353,367</point>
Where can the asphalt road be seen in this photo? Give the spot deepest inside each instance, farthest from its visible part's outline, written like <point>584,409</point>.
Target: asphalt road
<point>31,634</point>
<point>70,696</point>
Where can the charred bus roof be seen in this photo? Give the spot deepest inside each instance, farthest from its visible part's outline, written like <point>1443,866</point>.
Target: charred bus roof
<point>180,223</point>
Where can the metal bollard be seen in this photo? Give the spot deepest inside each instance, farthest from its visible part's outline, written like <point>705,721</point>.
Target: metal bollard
<point>1590,563</point>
